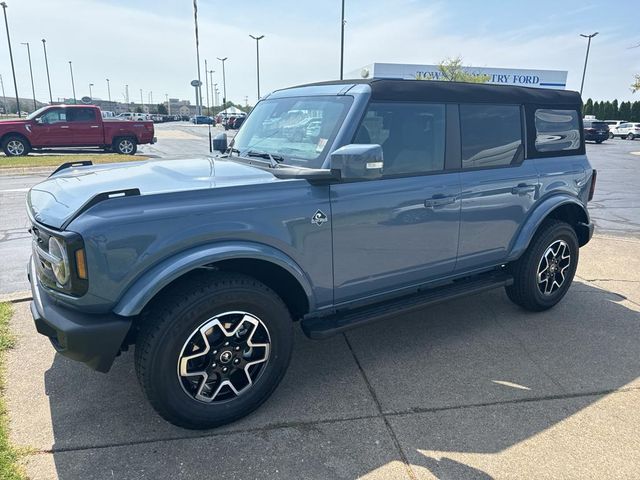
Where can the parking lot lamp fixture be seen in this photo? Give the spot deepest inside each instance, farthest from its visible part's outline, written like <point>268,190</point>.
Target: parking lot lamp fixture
<point>257,39</point>
<point>33,88</point>
<point>13,70</point>
<point>46,64</point>
<point>109,92</point>
<point>73,85</point>
<point>224,83</point>
<point>586,58</point>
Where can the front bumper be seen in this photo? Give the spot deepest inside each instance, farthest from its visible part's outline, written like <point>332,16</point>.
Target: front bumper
<point>87,338</point>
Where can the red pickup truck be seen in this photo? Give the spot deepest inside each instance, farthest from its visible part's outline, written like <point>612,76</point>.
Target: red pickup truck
<point>73,126</point>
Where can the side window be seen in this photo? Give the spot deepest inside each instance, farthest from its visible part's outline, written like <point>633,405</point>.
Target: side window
<point>55,115</point>
<point>412,136</point>
<point>81,115</point>
<point>491,135</point>
<point>557,130</point>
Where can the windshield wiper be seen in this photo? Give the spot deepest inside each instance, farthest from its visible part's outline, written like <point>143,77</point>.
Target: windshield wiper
<point>274,160</point>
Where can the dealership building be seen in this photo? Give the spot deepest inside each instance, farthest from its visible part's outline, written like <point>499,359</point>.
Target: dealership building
<point>499,76</point>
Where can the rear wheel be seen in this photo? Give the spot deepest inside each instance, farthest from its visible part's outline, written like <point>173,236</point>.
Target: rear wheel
<point>630,136</point>
<point>213,350</point>
<point>599,141</point>
<point>15,146</point>
<point>545,271</point>
<point>611,136</point>
<point>126,145</point>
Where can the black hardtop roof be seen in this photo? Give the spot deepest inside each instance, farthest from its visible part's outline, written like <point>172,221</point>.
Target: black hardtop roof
<point>456,92</point>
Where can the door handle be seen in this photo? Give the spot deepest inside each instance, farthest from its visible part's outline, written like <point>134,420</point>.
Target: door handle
<point>64,126</point>
<point>523,188</point>
<point>95,126</point>
<point>439,201</point>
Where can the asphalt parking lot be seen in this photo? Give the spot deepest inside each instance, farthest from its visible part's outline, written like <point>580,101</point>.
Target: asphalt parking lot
<point>470,389</point>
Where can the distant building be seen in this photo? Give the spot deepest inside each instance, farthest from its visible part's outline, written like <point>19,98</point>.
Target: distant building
<point>499,76</point>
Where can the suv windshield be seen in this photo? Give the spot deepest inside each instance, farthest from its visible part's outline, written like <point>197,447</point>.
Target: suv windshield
<point>297,129</point>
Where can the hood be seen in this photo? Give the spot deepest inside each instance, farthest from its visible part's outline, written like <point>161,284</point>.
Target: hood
<point>57,200</point>
<point>13,123</point>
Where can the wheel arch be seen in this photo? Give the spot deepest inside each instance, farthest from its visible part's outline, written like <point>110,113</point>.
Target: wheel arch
<point>561,207</point>
<point>265,263</point>
<point>14,133</point>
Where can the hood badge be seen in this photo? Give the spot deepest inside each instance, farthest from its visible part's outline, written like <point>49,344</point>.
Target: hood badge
<point>319,218</point>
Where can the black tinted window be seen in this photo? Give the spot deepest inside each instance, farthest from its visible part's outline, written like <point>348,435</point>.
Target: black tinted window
<point>491,135</point>
<point>557,130</point>
<point>81,115</point>
<point>412,136</point>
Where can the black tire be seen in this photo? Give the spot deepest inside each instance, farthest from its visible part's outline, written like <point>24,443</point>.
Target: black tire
<point>125,145</point>
<point>16,146</point>
<point>169,326</point>
<point>630,136</point>
<point>599,141</point>
<point>611,136</point>
<point>526,291</point>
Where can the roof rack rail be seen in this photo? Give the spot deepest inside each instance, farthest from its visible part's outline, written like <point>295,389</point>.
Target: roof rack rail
<point>64,166</point>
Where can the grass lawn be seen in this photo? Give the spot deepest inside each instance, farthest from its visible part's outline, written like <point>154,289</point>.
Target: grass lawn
<point>9,469</point>
<point>57,160</point>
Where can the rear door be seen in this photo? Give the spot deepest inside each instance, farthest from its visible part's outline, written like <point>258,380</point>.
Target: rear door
<point>86,127</point>
<point>498,186</point>
<point>394,233</point>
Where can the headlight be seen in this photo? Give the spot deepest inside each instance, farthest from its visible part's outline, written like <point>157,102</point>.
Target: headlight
<point>60,266</point>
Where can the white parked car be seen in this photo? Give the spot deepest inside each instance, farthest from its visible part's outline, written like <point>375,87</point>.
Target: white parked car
<point>627,130</point>
<point>125,116</point>
<point>613,124</point>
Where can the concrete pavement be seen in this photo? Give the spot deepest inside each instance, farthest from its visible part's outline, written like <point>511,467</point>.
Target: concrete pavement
<point>470,389</point>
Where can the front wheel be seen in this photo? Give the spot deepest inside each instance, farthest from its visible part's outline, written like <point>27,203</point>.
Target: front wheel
<point>611,136</point>
<point>16,146</point>
<point>542,276</point>
<point>599,141</point>
<point>212,351</point>
<point>126,146</point>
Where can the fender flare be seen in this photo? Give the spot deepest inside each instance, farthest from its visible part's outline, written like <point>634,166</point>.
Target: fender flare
<point>154,279</point>
<point>535,219</point>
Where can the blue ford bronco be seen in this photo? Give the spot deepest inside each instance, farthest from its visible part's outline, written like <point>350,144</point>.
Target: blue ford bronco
<point>336,204</point>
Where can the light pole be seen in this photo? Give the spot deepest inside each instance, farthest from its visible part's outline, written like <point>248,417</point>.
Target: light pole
<point>73,85</point>
<point>126,94</point>
<point>586,58</point>
<point>109,92</point>
<point>90,93</point>
<point>213,98</point>
<point>4,98</point>
<point>141,101</point>
<point>224,83</point>
<point>46,63</point>
<point>206,86</point>
<point>199,87</point>
<point>257,39</point>
<point>166,95</point>
<point>13,70</point>
<point>342,43</point>
<point>33,88</point>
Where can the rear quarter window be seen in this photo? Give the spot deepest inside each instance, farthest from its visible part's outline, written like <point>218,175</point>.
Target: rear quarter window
<point>557,130</point>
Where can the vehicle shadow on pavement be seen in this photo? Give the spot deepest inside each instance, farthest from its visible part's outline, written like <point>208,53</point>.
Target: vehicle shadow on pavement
<point>474,376</point>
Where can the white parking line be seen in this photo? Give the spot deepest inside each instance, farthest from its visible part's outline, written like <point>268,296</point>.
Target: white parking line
<point>15,190</point>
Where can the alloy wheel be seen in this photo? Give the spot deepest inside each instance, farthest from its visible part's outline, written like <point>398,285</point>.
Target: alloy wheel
<point>552,267</point>
<point>224,357</point>
<point>15,147</point>
<point>126,146</point>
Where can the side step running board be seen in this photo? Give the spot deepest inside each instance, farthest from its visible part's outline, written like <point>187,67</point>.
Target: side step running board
<point>323,327</point>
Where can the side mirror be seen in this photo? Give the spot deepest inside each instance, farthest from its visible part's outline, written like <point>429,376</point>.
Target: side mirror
<point>220,142</point>
<point>39,120</point>
<point>358,162</point>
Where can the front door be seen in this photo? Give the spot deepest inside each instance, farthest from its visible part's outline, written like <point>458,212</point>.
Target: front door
<point>51,129</point>
<point>86,128</point>
<point>400,231</point>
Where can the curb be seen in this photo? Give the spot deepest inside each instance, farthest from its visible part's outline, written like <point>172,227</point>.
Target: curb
<point>16,297</point>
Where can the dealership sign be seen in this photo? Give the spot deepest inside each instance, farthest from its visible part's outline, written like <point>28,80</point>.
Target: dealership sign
<point>500,76</point>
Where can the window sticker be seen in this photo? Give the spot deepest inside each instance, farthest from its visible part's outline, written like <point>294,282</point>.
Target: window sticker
<point>321,144</point>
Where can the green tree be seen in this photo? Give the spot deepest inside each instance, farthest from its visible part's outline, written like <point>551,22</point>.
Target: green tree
<point>635,112</point>
<point>162,109</point>
<point>138,109</point>
<point>625,111</point>
<point>452,70</point>
<point>597,108</point>
<point>588,107</point>
<point>615,110</point>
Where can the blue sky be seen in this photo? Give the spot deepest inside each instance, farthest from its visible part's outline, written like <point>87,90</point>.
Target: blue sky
<point>149,44</point>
